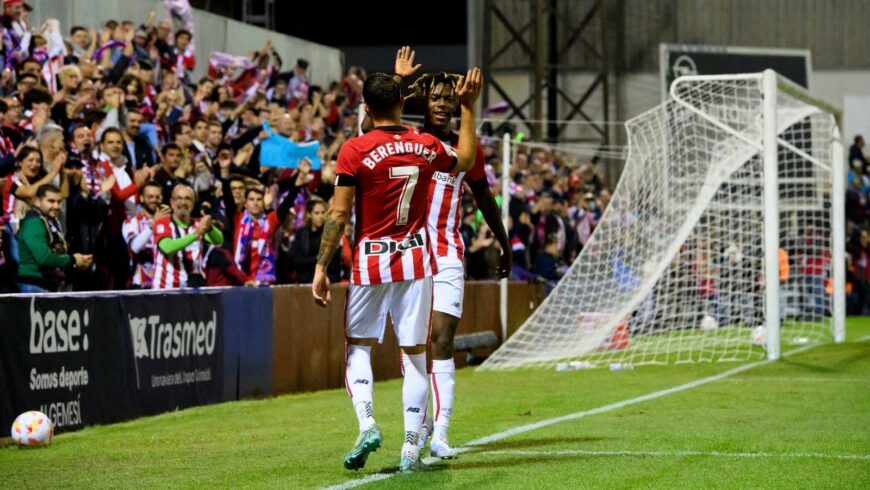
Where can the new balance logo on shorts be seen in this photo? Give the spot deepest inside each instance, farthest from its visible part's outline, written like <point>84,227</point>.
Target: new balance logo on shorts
<point>361,382</point>
<point>413,410</point>
<point>378,247</point>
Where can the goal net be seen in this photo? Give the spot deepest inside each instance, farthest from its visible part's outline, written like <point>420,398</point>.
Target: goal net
<point>690,262</point>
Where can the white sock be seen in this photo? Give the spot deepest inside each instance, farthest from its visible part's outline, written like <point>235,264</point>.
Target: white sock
<point>443,381</point>
<point>415,393</point>
<point>359,380</point>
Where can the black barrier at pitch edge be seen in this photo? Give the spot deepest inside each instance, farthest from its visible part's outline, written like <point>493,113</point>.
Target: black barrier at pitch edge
<point>99,359</point>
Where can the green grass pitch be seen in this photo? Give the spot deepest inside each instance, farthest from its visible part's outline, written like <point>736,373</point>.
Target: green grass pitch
<point>803,422</point>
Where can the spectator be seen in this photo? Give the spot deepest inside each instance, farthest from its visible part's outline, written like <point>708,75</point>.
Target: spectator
<point>254,237</point>
<point>137,150</point>
<point>545,223</point>
<point>139,235</point>
<point>79,41</point>
<point>166,175</point>
<point>86,213</point>
<point>306,245</point>
<point>856,203</point>
<point>20,188</point>
<point>548,263</point>
<point>123,202</point>
<point>483,254</point>
<point>220,270</point>
<point>856,154</point>
<point>178,257</point>
<point>11,118</point>
<point>43,249</point>
<point>8,266</point>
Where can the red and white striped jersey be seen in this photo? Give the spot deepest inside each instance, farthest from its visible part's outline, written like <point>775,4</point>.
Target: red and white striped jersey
<point>143,261</point>
<point>445,204</point>
<point>392,169</point>
<point>172,271</point>
<point>13,182</point>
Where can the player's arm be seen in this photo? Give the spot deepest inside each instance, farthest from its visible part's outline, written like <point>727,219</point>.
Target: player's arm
<point>467,90</point>
<point>487,206</point>
<point>333,229</point>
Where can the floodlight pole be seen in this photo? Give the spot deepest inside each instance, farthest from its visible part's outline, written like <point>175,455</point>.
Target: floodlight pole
<point>771,214</point>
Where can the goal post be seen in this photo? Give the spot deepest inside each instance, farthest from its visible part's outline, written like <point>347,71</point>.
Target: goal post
<point>723,240</point>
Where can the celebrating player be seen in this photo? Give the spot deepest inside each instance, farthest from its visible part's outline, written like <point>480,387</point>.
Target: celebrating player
<point>438,93</point>
<point>390,168</point>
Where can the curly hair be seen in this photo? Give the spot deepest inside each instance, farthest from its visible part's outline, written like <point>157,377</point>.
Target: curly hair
<point>423,86</point>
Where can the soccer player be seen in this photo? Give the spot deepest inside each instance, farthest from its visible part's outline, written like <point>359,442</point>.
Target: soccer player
<point>438,94</point>
<point>388,171</point>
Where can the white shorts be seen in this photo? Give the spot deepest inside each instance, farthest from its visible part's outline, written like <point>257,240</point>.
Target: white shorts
<point>449,287</point>
<point>408,302</point>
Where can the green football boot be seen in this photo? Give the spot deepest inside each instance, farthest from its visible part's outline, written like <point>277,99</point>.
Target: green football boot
<point>368,441</point>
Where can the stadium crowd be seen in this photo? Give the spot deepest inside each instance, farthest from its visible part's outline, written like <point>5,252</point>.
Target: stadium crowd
<point>858,231</point>
<point>118,170</point>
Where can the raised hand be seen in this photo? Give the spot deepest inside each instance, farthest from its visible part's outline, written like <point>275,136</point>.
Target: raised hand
<point>468,88</point>
<point>405,66</point>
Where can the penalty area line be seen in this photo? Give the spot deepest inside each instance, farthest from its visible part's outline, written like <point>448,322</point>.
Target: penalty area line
<point>574,416</point>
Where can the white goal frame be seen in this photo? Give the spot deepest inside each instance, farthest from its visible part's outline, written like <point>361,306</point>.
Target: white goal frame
<point>771,85</point>
<point>781,119</point>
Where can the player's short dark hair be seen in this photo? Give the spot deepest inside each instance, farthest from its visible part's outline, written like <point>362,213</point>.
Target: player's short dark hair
<point>381,93</point>
<point>183,32</point>
<point>303,63</point>
<point>45,189</point>
<point>75,29</point>
<point>169,146</point>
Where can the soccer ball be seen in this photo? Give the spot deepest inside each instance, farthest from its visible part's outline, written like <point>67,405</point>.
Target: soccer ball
<point>759,335</point>
<point>32,429</point>
<point>708,324</point>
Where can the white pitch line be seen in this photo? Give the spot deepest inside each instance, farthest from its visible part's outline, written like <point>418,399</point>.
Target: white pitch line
<point>595,411</point>
<point>677,454</point>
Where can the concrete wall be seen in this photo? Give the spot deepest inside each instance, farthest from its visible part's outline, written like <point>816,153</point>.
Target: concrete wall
<point>212,33</point>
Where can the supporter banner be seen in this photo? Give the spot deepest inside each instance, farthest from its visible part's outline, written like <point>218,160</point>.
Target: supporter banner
<point>175,349</point>
<point>278,151</point>
<point>62,356</point>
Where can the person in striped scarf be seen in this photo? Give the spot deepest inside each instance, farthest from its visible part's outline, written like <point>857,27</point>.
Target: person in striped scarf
<point>254,235</point>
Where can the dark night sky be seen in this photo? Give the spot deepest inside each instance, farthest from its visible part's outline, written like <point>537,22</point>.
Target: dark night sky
<point>376,22</point>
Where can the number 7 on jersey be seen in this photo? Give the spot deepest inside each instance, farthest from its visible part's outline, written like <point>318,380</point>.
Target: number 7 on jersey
<point>410,174</point>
